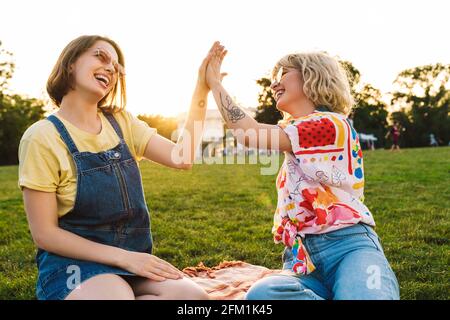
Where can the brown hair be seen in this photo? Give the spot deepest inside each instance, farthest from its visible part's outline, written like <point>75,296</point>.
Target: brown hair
<point>61,79</point>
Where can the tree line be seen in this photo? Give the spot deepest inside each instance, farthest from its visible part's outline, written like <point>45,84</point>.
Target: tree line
<point>419,103</point>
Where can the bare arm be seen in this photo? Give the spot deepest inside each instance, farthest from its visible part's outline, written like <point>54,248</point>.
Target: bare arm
<point>41,210</point>
<point>246,129</point>
<point>181,155</point>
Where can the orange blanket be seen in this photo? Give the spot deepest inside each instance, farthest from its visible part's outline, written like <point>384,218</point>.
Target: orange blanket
<point>230,280</point>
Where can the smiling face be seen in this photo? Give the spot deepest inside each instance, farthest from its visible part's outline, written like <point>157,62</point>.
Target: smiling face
<point>96,70</point>
<point>90,66</point>
<point>287,89</point>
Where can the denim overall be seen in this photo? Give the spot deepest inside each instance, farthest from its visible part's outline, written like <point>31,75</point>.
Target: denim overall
<point>109,209</point>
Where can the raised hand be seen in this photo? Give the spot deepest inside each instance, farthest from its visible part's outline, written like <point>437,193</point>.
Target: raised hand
<point>201,81</point>
<point>213,74</point>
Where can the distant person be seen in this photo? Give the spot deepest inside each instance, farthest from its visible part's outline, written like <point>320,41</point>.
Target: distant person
<point>433,141</point>
<point>395,136</point>
<point>331,247</point>
<point>371,145</point>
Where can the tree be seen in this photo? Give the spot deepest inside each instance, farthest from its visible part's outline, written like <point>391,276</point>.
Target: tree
<point>370,112</point>
<point>424,94</point>
<point>6,68</point>
<point>165,126</point>
<point>353,74</point>
<point>16,113</point>
<point>266,111</point>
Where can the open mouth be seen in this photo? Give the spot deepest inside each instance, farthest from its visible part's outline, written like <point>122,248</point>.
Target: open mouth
<point>278,94</point>
<point>102,79</point>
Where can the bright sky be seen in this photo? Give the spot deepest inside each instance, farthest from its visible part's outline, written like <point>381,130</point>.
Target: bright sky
<point>165,41</point>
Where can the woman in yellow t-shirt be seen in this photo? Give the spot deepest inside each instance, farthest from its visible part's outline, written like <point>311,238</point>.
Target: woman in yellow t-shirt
<point>82,186</point>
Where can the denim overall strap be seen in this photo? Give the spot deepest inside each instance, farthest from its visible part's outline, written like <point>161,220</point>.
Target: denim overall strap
<point>114,124</point>
<point>64,134</point>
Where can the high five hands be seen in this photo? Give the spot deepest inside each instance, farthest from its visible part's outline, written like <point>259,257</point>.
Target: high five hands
<point>209,73</point>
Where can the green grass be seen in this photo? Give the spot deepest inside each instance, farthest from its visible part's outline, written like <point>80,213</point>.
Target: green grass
<point>224,212</point>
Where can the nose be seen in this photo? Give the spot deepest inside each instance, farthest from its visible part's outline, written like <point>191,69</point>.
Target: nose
<point>274,84</point>
<point>109,68</point>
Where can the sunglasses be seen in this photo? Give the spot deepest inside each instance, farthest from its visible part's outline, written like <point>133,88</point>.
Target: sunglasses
<point>106,58</point>
<point>279,74</point>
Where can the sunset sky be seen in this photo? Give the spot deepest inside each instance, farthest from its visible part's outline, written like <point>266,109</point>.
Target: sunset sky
<point>165,41</point>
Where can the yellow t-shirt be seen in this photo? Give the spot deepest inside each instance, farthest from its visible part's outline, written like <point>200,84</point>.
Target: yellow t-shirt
<point>45,163</point>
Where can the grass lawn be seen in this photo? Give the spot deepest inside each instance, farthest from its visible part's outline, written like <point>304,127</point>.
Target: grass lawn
<point>225,212</point>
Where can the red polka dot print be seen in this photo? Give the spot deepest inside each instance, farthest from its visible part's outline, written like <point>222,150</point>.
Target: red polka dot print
<point>316,133</point>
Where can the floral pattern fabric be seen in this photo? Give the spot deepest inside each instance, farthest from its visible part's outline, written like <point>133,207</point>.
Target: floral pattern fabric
<point>320,184</point>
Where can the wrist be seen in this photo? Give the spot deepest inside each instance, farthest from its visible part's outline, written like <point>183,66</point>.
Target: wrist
<point>121,258</point>
<point>215,85</point>
<point>202,88</point>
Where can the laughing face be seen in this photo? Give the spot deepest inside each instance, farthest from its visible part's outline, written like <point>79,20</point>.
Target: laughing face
<point>287,89</point>
<point>96,70</point>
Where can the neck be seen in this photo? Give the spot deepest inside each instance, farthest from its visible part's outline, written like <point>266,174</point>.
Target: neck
<point>302,109</point>
<point>77,109</point>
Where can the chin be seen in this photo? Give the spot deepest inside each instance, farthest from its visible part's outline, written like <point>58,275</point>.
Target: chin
<point>98,93</point>
<point>280,106</point>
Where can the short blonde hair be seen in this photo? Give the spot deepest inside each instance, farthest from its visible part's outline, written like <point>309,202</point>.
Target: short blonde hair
<point>325,79</point>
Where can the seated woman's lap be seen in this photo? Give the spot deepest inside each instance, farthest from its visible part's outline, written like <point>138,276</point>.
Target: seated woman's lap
<point>116,287</point>
<point>287,287</point>
<point>106,286</point>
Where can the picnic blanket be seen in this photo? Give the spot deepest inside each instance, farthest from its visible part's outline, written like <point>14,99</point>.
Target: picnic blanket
<point>230,280</point>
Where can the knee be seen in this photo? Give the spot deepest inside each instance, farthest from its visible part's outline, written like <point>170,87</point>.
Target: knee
<point>186,289</point>
<point>280,287</point>
<point>263,289</point>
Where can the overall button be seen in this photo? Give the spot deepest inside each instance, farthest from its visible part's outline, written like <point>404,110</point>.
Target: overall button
<point>113,155</point>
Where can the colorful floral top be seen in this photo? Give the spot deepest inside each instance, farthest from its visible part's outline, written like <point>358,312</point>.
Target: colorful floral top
<point>320,184</point>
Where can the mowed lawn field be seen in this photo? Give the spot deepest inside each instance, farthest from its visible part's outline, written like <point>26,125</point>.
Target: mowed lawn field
<point>225,212</point>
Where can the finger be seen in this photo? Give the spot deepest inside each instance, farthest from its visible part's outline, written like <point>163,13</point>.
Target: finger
<point>224,53</point>
<point>167,269</point>
<point>215,44</point>
<point>152,276</point>
<point>219,50</point>
<point>206,61</point>
<point>166,274</point>
<point>167,266</point>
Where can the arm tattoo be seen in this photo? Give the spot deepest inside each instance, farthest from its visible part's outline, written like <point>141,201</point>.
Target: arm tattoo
<point>234,114</point>
<point>201,103</point>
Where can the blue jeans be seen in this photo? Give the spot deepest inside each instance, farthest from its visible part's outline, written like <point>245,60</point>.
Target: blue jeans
<point>350,265</point>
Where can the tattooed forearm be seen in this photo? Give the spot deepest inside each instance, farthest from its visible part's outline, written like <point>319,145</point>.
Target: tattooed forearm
<point>233,112</point>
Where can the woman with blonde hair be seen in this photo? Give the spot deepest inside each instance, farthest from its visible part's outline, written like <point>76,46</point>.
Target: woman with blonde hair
<point>82,187</point>
<point>331,248</point>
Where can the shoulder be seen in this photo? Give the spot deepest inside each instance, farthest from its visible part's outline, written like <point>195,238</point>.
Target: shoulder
<point>125,118</point>
<point>40,131</point>
<point>315,121</point>
<point>321,115</point>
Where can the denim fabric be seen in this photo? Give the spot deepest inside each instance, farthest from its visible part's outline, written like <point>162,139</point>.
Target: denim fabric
<point>109,208</point>
<point>350,263</point>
